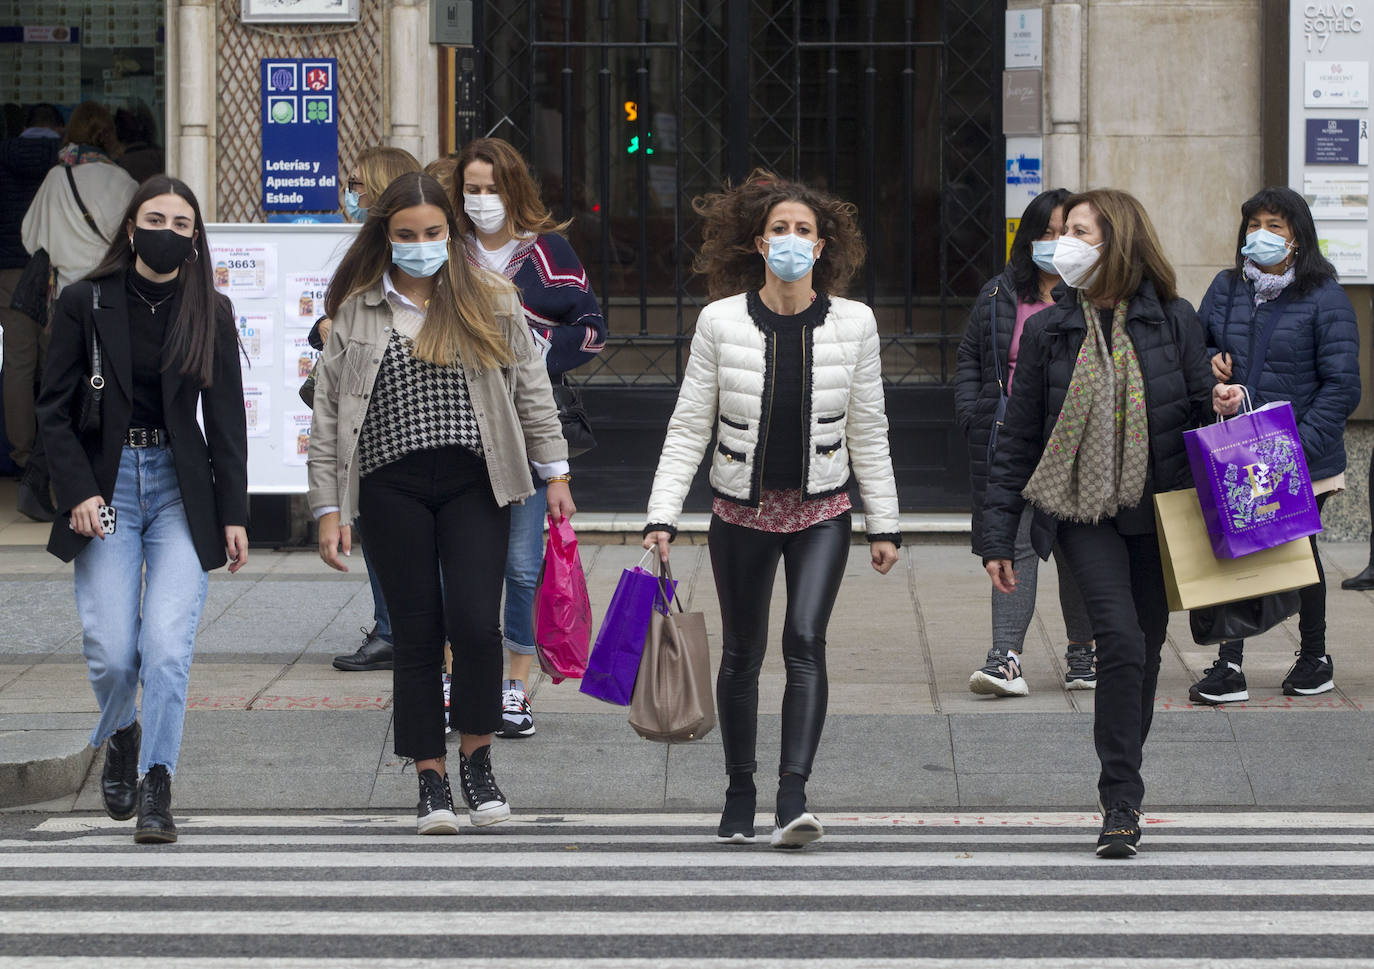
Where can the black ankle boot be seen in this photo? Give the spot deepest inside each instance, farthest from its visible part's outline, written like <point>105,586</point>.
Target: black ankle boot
<point>737,820</point>
<point>1365,580</point>
<point>155,825</point>
<point>791,797</point>
<point>119,778</point>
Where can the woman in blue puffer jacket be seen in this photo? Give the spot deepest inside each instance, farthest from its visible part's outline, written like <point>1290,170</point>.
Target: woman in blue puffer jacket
<point>1279,323</point>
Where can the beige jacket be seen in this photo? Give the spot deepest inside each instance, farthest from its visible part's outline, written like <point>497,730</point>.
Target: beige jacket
<point>513,405</point>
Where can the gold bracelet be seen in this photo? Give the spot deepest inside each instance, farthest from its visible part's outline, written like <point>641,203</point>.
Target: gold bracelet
<point>557,477</point>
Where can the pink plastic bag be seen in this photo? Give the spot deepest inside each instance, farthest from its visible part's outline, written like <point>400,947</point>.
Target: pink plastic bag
<point>562,609</point>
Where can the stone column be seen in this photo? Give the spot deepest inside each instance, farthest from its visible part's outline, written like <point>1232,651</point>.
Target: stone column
<point>1063,75</point>
<point>191,76</point>
<point>413,75</point>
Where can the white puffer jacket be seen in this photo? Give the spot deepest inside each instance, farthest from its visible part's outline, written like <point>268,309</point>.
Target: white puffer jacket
<point>726,386</point>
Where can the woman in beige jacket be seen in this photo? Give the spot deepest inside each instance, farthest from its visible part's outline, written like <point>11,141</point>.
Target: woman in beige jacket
<point>431,403</point>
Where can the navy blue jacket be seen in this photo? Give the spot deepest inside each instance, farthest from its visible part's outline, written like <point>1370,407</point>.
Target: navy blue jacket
<point>1313,359</point>
<point>23,164</point>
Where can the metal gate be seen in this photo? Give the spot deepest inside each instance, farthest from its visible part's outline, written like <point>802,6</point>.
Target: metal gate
<point>628,110</point>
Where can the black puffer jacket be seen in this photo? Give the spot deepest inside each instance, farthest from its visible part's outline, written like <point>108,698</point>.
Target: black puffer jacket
<point>977,387</point>
<point>23,164</point>
<point>1178,396</point>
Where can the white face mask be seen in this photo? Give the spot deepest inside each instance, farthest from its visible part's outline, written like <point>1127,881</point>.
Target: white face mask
<point>1076,262</point>
<point>486,212</point>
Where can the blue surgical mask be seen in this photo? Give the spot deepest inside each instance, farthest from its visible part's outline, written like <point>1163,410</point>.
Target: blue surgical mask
<point>355,211</point>
<point>420,259</point>
<point>790,257</point>
<point>1264,248</point>
<point>1042,254</point>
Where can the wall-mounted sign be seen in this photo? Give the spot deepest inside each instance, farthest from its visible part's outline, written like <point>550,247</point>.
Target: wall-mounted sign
<point>299,11</point>
<point>1337,141</point>
<point>1333,197</point>
<point>1023,38</point>
<point>1025,179</point>
<point>1336,84</point>
<point>1021,102</point>
<point>300,134</point>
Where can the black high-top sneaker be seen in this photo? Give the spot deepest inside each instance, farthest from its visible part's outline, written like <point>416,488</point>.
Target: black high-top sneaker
<point>119,777</point>
<point>434,814</point>
<point>486,803</point>
<point>155,825</point>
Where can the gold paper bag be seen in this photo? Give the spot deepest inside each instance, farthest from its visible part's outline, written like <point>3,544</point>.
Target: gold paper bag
<point>1194,577</point>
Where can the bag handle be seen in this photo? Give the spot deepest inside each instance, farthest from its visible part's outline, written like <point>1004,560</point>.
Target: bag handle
<point>665,575</point>
<point>71,180</point>
<point>97,378</point>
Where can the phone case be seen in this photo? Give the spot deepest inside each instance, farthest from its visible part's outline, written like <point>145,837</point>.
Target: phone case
<point>107,519</point>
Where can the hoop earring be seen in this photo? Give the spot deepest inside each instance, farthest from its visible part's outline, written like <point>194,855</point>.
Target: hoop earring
<point>195,254</point>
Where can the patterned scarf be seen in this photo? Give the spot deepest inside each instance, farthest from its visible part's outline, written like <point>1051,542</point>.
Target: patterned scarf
<point>1268,285</point>
<point>74,154</point>
<point>1095,460</point>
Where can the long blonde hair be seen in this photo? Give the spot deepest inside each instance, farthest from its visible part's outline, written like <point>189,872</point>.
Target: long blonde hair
<point>461,320</point>
<point>381,165</point>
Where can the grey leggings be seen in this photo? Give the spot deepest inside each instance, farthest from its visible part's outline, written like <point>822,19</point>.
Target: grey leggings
<point>1011,614</point>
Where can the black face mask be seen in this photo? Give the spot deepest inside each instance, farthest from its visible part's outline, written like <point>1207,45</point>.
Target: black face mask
<point>162,250</point>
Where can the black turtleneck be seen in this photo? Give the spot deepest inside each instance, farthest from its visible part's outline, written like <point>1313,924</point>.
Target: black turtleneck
<point>150,310</point>
<point>781,440</point>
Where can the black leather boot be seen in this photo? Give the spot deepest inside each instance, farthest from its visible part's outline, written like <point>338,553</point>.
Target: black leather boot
<point>119,779</point>
<point>374,654</point>
<point>155,825</point>
<point>1365,580</point>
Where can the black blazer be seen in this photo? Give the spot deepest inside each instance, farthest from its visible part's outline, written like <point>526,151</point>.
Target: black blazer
<point>212,468</point>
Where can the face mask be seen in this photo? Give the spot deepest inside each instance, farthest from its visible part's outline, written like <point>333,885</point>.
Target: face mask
<point>162,250</point>
<point>355,211</point>
<point>1075,261</point>
<point>790,257</point>
<point>419,259</point>
<point>1042,254</point>
<point>487,212</point>
<point>1265,248</point>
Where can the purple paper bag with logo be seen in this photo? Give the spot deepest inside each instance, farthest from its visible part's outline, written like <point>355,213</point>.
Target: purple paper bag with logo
<point>614,663</point>
<point>1252,481</point>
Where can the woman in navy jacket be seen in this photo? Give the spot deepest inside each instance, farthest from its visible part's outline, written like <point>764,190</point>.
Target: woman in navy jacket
<point>1279,323</point>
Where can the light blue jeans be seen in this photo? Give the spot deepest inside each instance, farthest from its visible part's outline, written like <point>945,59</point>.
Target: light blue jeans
<point>524,556</point>
<point>140,627</point>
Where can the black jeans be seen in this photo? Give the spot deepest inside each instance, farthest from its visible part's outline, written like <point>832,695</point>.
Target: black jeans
<point>432,513</point>
<point>1311,612</point>
<point>745,561</point>
<point>1122,582</point>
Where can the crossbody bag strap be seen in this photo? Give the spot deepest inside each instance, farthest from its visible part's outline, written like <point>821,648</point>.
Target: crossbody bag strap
<point>71,180</point>
<point>97,371</point>
<point>992,335</point>
<point>1263,335</point>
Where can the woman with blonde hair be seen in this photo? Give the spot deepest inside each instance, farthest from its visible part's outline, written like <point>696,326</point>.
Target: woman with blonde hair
<point>431,402</point>
<point>375,169</point>
<point>1107,381</point>
<point>509,230</point>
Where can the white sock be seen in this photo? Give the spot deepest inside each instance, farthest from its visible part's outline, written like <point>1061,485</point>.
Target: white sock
<point>1234,667</point>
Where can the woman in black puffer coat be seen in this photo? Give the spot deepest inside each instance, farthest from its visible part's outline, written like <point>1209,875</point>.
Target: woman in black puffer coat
<point>987,365</point>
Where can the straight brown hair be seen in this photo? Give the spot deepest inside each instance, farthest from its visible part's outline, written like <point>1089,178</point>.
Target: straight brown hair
<point>461,318</point>
<point>1130,249</point>
<point>526,213</point>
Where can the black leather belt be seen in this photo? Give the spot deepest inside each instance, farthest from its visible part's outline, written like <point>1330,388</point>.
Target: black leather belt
<point>146,437</point>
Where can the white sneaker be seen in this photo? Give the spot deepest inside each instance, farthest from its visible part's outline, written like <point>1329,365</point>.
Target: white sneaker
<point>797,833</point>
<point>1000,676</point>
<point>517,716</point>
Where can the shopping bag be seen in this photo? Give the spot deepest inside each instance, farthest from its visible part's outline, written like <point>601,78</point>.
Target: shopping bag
<point>1194,577</point>
<point>1252,481</point>
<point>1230,621</point>
<point>614,663</point>
<point>562,609</point>
<point>672,698</point>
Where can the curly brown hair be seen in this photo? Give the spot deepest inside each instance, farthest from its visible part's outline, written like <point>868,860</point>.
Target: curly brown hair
<point>734,218</point>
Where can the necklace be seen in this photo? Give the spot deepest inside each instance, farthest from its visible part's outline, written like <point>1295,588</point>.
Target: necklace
<point>152,307</point>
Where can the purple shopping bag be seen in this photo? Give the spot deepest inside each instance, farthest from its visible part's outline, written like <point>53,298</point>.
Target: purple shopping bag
<point>1252,481</point>
<point>614,662</point>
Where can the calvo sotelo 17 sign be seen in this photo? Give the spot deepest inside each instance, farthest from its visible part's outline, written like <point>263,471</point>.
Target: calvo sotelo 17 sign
<point>300,134</point>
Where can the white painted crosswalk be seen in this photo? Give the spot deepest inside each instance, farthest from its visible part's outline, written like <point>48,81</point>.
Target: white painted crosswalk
<point>1238,890</point>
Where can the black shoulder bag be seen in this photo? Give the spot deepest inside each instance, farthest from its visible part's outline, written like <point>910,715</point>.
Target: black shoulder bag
<point>572,414</point>
<point>35,294</point>
<point>86,413</point>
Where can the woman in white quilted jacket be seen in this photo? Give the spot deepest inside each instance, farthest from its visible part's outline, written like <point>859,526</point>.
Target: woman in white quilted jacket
<point>787,376</point>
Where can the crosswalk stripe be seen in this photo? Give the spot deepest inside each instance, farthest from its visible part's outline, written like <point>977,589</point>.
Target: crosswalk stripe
<point>707,962</point>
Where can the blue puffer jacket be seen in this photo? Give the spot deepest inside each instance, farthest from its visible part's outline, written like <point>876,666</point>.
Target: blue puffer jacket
<point>1313,360</point>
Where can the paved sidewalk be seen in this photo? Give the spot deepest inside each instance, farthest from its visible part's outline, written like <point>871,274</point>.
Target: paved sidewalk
<point>272,725</point>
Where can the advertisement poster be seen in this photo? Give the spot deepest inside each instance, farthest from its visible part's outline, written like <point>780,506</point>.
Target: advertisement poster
<point>1336,84</point>
<point>295,429</point>
<point>1024,180</point>
<point>255,333</point>
<point>1024,29</point>
<point>1337,141</point>
<point>300,134</point>
<point>257,405</point>
<point>245,272</point>
<point>1342,198</point>
<point>1347,249</point>
<point>300,358</point>
<point>304,297</point>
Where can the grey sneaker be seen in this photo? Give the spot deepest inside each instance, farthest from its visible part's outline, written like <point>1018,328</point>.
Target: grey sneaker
<point>1080,660</point>
<point>1000,676</point>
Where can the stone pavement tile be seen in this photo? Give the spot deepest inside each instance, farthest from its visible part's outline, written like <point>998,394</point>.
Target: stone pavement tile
<point>299,787</point>
<point>343,633</point>
<point>1191,773</point>
<point>37,616</point>
<point>1352,729</point>
<point>1207,726</point>
<point>1030,743</point>
<point>17,560</point>
<point>217,684</point>
<point>274,616</point>
<point>1059,789</point>
<point>49,688</point>
<point>889,763</point>
<point>310,743</point>
<point>1308,773</point>
<point>22,532</point>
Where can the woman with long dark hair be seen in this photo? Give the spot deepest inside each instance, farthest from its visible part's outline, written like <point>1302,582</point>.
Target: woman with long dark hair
<point>149,503</point>
<point>1109,378</point>
<point>987,365</point>
<point>1280,324</point>
<point>431,403</point>
<point>509,230</point>
<point>787,375</point>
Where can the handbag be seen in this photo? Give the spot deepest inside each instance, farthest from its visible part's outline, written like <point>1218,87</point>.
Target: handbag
<point>614,663</point>
<point>577,426</point>
<point>672,700</point>
<point>1229,621</point>
<point>91,390</point>
<point>562,608</point>
<point>33,293</point>
<point>1194,577</point>
<point>307,388</point>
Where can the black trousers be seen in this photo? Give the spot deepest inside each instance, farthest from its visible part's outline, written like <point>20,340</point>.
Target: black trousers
<point>745,562</point>
<point>1122,582</point>
<point>437,540</point>
<point>1311,612</point>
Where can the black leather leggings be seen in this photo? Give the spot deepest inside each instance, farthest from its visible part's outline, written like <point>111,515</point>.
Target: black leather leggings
<point>745,562</point>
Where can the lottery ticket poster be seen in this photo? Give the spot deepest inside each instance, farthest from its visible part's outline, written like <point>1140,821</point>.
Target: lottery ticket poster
<point>257,406</point>
<point>255,334</point>
<point>245,272</point>
<point>304,297</point>
<point>295,431</point>
<point>300,358</point>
